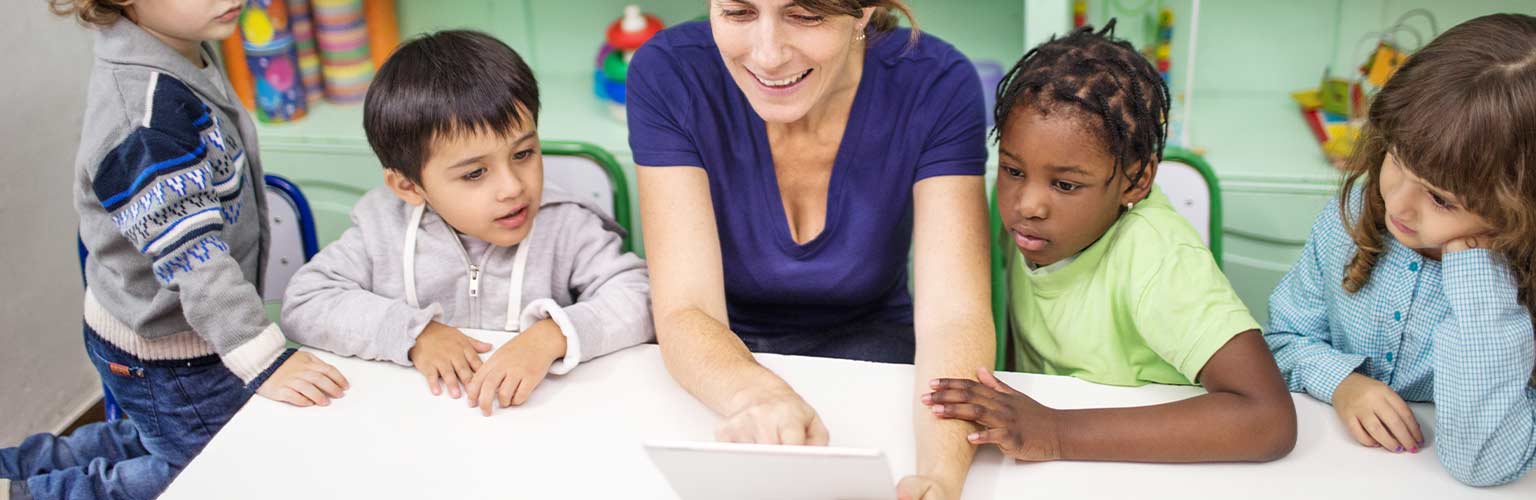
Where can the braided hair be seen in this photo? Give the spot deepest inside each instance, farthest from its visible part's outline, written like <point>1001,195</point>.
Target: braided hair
<point>1101,78</point>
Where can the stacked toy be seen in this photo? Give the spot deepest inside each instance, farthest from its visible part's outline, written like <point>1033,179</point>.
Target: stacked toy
<point>273,61</point>
<point>304,41</point>
<point>1162,49</point>
<point>624,37</point>
<point>342,36</point>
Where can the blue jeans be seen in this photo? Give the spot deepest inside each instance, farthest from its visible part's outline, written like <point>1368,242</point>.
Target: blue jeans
<point>174,408</point>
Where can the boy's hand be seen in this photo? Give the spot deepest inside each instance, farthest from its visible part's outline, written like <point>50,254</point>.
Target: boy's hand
<point>1375,415</point>
<point>511,374</point>
<point>304,380</point>
<point>443,353</point>
<point>1019,426</point>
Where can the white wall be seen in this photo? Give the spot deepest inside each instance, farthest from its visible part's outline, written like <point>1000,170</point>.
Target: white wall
<point>46,380</point>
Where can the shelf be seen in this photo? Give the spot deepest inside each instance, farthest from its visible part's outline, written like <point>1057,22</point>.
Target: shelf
<point>569,113</point>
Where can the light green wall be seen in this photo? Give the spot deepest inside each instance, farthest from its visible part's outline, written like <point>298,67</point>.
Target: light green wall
<point>562,35</point>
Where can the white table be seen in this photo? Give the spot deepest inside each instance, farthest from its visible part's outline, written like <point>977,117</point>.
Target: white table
<point>580,437</point>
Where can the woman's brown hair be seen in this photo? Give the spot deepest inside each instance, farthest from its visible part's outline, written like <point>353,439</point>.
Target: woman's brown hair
<point>90,12</point>
<point>1461,115</point>
<point>882,21</point>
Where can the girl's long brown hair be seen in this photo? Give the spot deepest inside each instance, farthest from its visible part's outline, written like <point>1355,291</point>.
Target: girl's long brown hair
<point>1461,115</point>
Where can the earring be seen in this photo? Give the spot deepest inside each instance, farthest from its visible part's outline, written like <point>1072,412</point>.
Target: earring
<point>860,35</point>
<point>1129,205</point>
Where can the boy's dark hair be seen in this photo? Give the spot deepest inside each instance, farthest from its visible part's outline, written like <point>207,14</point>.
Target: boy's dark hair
<point>1102,78</point>
<point>441,85</point>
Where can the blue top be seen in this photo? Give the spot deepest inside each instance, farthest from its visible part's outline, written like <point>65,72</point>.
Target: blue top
<point>1451,332</point>
<point>918,113</point>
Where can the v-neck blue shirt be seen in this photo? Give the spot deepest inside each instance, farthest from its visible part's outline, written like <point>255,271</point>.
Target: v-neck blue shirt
<point>918,113</point>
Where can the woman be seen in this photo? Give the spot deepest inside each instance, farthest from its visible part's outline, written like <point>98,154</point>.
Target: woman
<point>823,142</point>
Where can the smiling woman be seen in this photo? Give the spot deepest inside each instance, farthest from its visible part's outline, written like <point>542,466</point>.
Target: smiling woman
<point>792,153</point>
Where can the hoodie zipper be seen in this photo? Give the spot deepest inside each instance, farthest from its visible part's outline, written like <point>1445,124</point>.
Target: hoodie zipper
<point>474,275</point>
<point>474,281</point>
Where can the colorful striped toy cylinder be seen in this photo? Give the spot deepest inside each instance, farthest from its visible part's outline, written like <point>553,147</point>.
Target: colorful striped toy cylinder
<point>304,41</point>
<point>383,29</point>
<point>279,88</point>
<point>342,37</point>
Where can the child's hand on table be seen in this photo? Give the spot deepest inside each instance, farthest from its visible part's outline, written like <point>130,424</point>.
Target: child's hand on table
<point>1019,426</point>
<point>304,380</point>
<point>443,353</point>
<point>1375,415</point>
<point>518,367</point>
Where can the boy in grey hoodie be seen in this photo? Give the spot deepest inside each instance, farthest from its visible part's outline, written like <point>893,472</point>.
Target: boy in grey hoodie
<point>465,235</point>
<point>168,185</point>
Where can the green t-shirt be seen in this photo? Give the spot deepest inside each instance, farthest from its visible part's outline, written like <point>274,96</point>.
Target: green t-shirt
<point>1146,303</point>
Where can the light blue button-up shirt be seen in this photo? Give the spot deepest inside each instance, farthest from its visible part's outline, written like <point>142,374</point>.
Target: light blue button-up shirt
<point>1451,332</point>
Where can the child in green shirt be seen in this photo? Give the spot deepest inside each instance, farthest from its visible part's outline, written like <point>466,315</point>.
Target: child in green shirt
<point>1109,284</point>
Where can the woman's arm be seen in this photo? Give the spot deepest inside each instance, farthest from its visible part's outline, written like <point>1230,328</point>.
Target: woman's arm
<point>688,303</point>
<point>951,313</point>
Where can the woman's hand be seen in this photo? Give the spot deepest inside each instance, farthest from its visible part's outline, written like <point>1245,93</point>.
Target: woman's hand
<point>772,416</point>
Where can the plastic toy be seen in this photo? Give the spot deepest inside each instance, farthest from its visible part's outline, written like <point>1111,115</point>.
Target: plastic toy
<point>1164,45</point>
<point>233,50</point>
<point>342,36</point>
<point>623,37</point>
<point>304,41</point>
<point>272,61</point>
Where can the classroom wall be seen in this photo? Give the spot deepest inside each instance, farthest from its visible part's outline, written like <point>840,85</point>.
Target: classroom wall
<point>45,378</point>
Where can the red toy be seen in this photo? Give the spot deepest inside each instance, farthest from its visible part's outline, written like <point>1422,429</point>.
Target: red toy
<point>631,31</point>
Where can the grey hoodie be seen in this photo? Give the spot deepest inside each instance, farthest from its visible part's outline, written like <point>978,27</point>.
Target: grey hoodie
<point>350,299</point>
<point>169,191</point>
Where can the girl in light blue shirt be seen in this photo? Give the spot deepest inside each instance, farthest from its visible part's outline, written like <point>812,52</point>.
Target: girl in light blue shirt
<point>1418,283</point>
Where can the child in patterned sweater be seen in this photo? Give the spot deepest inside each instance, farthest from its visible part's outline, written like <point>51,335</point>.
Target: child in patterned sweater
<point>168,187</point>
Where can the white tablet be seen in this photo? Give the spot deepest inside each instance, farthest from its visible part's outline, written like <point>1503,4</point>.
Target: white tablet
<point>708,471</point>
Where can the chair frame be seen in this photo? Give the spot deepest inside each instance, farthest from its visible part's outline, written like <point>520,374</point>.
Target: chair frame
<point>616,179</point>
